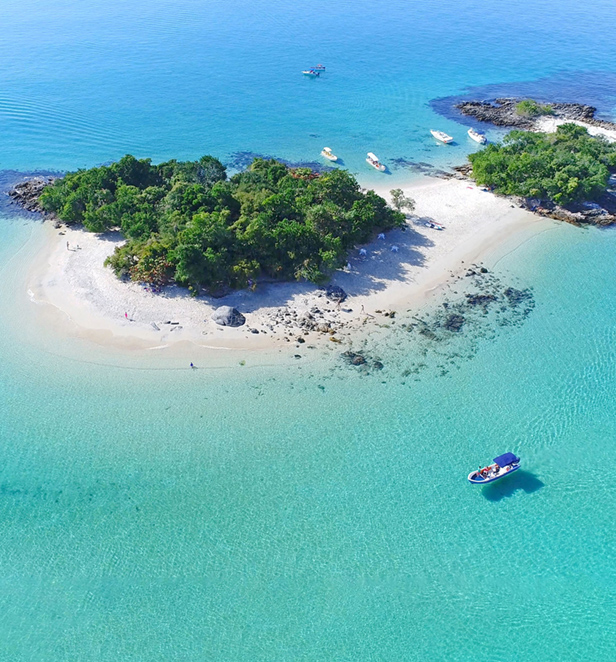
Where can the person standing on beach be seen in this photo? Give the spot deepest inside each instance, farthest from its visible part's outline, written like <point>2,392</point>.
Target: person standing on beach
<point>126,315</point>
<point>67,248</point>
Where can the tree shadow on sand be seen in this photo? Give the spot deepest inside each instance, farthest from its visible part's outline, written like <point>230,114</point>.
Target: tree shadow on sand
<point>369,273</point>
<point>520,480</point>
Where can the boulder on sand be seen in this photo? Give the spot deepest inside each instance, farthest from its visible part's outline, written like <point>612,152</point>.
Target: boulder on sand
<point>228,316</point>
<point>335,293</point>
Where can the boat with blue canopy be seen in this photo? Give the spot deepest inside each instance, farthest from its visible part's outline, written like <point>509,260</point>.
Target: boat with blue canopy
<point>503,465</point>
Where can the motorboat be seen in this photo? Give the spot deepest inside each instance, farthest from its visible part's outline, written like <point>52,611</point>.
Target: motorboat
<point>442,136</point>
<point>327,153</point>
<point>503,466</point>
<point>319,67</point>
<point>477,136</point>
<point>312,73</point>
<point>373,160</point>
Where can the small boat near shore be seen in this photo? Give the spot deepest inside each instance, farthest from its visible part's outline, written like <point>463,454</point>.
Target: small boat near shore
<point>477,136</point>
<point>503,466</point>
<point>312,73</point>
<point>319,67</point>
<point>434,226</point>
<point>327,153</point>
<point>373,160</point>
<point>441,136</point>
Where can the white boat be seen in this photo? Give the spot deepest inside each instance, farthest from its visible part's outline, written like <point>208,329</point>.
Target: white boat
<point>442,136</point>
<point>311,72</point>
<point>503,466</point>
<point>435,226</point>
<point>327,153</point>
<point>373,160</point>
<point>477,136</point>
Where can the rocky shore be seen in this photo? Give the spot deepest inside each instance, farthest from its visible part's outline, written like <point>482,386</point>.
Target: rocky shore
<point>503,112</point>
<point>27,194</point>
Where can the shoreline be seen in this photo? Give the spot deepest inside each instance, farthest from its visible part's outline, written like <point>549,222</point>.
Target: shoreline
<point>77,297</point>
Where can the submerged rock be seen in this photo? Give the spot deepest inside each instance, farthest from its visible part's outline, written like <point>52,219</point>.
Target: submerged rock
<point>454,322</point>
<point>228,316</point>
<point>354,358</point>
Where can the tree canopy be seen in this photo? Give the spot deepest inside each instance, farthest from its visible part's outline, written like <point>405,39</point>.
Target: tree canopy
<point>531,108</point>
<point>186,222</point>
<point>563,167</point>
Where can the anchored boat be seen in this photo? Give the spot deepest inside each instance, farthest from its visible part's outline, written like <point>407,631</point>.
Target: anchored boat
<point>312,73</point>
<point>503,466</point>
<point>373,160</point>
<point>319,67</point>
<point>477,136</point>
<point>442,136</point>
<point>327,153</point>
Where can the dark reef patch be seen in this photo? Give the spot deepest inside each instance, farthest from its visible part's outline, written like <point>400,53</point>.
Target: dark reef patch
<point>241,160</point>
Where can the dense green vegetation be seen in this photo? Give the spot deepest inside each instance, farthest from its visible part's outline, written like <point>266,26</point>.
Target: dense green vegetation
<point>530,108</point>
<point>563,167</point>
<point>186,222</point>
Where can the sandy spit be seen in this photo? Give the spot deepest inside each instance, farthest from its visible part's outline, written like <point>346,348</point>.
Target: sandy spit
<point>83,298</point>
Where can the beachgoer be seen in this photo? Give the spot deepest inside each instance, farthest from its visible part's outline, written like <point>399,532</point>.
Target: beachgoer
<point>192,365</point>
<point>67,248</point>
<point>126,315</point>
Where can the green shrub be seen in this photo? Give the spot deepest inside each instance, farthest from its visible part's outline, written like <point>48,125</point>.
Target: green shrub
<point>186,222</point>
<point>564,167</point>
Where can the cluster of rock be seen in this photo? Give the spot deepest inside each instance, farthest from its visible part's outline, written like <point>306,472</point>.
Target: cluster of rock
<point>26,194</point>
<point>503,112</point>
<point>488,295</point>
<point>298,324</point>
<point>361,360</point>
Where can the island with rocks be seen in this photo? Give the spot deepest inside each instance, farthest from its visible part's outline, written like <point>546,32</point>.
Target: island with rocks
<point>558,161</point>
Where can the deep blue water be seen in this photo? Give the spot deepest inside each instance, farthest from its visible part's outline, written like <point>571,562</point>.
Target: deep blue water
<point>304,511</point>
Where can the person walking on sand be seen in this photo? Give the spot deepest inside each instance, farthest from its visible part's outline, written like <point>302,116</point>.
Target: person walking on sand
<point>126,315</point>
<point>192,365</point>
<point>67,248</point>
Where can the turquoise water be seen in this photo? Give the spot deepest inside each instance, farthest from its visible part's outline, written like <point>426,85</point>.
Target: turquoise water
<point>303,511</point>
<point>83,83</point>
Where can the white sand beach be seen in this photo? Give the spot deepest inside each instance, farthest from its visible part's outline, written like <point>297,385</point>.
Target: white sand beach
<point>83,298</point>
<point>550,124</point>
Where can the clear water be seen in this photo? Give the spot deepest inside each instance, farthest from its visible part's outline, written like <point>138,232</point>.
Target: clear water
<point>303,511</point>
<point>84,82</point>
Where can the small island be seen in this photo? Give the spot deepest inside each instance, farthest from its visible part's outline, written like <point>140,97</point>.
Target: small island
<point>555,166</point>
<point>187,223</point>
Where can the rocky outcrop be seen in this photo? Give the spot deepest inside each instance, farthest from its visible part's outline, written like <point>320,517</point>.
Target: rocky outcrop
<point>228,316</point>
<point>26,194</point>
<point>335,293</point>
<point>502,112</point>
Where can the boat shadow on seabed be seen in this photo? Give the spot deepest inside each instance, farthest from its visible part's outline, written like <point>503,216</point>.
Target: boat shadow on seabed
<point>520,480</point>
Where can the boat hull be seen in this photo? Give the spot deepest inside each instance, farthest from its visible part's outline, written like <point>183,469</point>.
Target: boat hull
<point>441,137</point>
<point>380,167</point>
<point>477,137</point>
<point>475,478</point>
